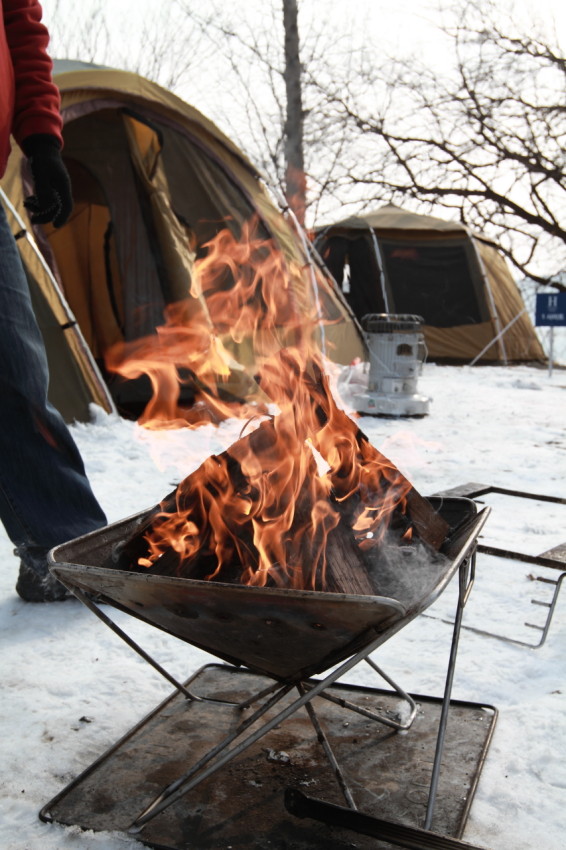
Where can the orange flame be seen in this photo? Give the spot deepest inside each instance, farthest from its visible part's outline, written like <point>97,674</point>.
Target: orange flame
<point>264,509</point>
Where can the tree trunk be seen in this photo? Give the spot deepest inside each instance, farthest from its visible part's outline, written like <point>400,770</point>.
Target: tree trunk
<point>295,183</point>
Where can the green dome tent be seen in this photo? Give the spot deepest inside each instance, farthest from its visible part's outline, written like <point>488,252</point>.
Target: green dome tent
<point>153,180</point>
<point>395,261</point>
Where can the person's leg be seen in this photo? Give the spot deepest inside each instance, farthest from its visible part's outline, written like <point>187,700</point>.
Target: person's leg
<point>45,496</point>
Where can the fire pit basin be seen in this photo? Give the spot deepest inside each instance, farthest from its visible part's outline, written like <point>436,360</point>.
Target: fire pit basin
<point>285,634</point>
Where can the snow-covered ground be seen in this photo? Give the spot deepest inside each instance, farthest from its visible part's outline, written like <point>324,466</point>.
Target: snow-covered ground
<point>71,688</point>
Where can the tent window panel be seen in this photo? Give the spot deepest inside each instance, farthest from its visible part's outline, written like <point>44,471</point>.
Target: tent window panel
<point>440,282</point>
<point>201,193</point>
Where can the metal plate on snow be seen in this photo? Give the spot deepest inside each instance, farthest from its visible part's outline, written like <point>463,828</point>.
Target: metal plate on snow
<point>242,805</point>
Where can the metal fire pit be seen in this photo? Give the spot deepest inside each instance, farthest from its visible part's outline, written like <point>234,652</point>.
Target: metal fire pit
<point>286,635</point>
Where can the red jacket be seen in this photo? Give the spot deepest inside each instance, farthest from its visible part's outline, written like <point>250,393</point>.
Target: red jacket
<point>29,100</point>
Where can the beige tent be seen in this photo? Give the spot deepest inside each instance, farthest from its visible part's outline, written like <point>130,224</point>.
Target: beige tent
<point>153,181</point>
<point>396,261</point>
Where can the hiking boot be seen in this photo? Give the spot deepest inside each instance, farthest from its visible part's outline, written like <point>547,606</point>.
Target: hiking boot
<point>36,584</point>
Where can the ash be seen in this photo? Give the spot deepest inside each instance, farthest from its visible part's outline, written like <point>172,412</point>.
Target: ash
<point>406,572</point>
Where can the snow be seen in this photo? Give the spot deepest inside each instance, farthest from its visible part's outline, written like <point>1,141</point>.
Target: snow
<point>71,687</point>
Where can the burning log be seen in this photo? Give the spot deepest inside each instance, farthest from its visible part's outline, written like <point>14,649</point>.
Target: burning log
<point>261,512</point>
<point>431,528</point>
<point>344,569</point>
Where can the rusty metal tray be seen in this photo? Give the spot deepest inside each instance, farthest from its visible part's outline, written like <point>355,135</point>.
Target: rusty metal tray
<point>242,806</point>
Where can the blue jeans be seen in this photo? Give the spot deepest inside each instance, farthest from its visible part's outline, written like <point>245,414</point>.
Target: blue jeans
<point>45,496</point>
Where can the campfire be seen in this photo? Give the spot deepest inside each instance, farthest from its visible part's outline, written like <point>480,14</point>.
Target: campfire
<point>302,500</point>
<point>298,550</point>
<point>301,543</point>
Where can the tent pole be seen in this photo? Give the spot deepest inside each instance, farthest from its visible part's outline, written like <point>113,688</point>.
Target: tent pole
<point>379,261</point>
<point>71,320</point>
<point>494,316</point>
<point>282,202</point>
<point>304,241</point>
<point>498,338</point>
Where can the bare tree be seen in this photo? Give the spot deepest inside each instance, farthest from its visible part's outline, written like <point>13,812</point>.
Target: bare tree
<point>333,128</point>
<point>75,36</point>
<point>270,59</point>
<point>486,139</point>
<point>253,68</point>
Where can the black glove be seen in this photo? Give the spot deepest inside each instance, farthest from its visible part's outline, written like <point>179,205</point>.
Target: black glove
<point>53,200</point>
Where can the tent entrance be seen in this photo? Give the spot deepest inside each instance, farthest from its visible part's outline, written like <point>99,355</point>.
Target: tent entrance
<point>439,280</point>
<point>354,266</point>
<point>146,200</point>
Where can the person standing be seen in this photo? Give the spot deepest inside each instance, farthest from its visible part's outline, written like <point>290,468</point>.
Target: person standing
<point>45,495</point>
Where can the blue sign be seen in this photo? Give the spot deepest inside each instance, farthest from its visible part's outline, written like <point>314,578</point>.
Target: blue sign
<point>551,309</point>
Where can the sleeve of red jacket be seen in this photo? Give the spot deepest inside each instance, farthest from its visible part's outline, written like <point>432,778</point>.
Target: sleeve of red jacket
<point>37,99</point>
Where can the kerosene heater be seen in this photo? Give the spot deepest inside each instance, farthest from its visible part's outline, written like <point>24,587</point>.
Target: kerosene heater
<point>397,352</point>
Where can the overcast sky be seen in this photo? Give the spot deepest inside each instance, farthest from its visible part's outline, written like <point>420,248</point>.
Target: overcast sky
<point>403,22</point>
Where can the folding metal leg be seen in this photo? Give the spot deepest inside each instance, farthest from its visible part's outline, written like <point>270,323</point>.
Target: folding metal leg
<point>373,715</point>
<point>465,583</point>
<point>131,643</point>
<point>221,755</point>
<point>308,690</point>
<point>395,833</point>
<point>364,712</point>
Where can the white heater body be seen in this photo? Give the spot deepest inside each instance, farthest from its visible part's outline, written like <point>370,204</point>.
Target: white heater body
<point>396,354</point>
